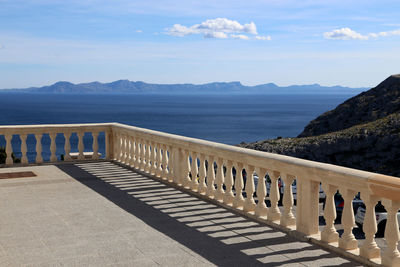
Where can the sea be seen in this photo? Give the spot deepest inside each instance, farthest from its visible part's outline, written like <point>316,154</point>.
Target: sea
<point>229,119</point>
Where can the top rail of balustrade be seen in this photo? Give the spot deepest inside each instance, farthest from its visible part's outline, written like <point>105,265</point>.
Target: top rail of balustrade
<point>43,128</point>
<point>378,184</point>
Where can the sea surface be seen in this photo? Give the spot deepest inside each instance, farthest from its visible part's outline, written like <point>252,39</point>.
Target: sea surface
<point>220,118</point>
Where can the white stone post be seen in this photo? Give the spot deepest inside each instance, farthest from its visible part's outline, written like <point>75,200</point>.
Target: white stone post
<point>239,184</point>
<point>219,180</point>
<point>274,213</point>
<point>249,203</point>
<point>67,146</point>
<point>347,241</point>
<point>229,197</point>
<point>391,255</point>
<point>307,213</point>
<point>202,175</point>
<point>9,160</point>
<point>24,158</point>
<point>39,158</point>
<point>329,234</point>
<point>369,250</point>
<point>53,156</point>
<point>261,209</point>
<point>210,177</point>
<point>95,136</point>
<point>194,185</point>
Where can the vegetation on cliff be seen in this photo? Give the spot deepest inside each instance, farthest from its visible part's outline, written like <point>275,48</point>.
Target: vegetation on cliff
<point>362,133</point>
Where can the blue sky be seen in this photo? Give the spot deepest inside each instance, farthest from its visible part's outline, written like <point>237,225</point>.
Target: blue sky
<point>349,43</point>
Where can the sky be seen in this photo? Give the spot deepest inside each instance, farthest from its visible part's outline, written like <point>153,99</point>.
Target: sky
<point>348,43</point>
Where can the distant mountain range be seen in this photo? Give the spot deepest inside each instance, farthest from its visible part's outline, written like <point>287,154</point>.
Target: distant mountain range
<point>130,87</point>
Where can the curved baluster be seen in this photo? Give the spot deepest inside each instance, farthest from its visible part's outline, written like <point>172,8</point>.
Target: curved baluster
<point>194,185</point>
<point>153,163</point>
<point>24,150</point>
<point>95,136</point>
<point>164,164</point>
<point>116,141</point>
<point>261,209</point>
<point>159,159</point>
<point>147,156</point>
<point>170,164</point>
<point>39,158</point>
<point>239,184</point>
<point>274,213</point>
<point>287,218</point>
<point>229,197</point>
<point>210,177</point>
<point>9,160</point>
<point>53,156</point>
<point>132,152</point>
<point>124,148</point>
<point>329,234</point>
<point>67,146</point>
<point>391,255</point>
<point>137,153</point>
<point>202,175</point>
<point>142,155</point>
<point>370,249</point>
<point>80,145</point>
<point>186,169</point>
<point>249,203</point>
<point>347,241</point>
<point>219,180</point>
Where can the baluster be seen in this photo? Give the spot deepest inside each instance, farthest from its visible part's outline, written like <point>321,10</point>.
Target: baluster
<point>153,167</point>
<point>219,180</point>
<point>128,150</point>
<point>9,160</point>
<point>370,249</point>
<point>132,153</point>
<point>239,200</point>
<point>67,146</point>
<point>123,148</point>
<point>115,146</point>
<point>149,151</point>
<point>274,213</point>
<point>288,218</point>
<point>108,145</point>
<point>261,209</point>
<point>39,158</point>
<point>176,165</point>
<point>53,156</point>
<point>202,175</point>
<point>210,177</point>
<point>80,145</point>
<point>186,169</point>
<point>146,156</point>
<point>142,155</point>
<point>137,153</point>
<point>347,241</point>
<point>229,196</point>
<point>24,158</point>
<point>170,164</point>
<point>391,255</point>
<point>159,160</point>
<point>164,164</point>
<point>95,136</point>
<point>194,185</point>
<point>152,157</point>
<point>329,234</point>
<point>249,203</point>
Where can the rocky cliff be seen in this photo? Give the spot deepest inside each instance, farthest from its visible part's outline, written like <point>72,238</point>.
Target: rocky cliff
<point>362,133</point>
<point>365,107</point>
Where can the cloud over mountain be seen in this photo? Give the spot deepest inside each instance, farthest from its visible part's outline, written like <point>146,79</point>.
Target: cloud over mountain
<point>217,28</point>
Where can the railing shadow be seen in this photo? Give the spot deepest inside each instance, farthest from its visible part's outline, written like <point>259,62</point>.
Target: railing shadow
<point>215,233</point>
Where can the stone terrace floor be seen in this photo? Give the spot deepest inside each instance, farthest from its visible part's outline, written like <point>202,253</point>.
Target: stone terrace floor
<point>102,214</point>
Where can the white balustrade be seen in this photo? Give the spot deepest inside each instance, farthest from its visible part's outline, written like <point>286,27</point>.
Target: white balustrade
<point>190,163</point>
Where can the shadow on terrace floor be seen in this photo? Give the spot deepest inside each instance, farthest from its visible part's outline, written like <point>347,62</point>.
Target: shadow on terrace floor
<point>214,233</point>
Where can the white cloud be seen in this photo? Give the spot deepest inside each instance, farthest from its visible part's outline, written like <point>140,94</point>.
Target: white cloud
<point>240,36</point>
<point>139,31</point>
<point>215,28</point>
<point>259,37</point>
<point>349,34</point>
<point>345,34</point>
